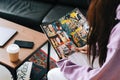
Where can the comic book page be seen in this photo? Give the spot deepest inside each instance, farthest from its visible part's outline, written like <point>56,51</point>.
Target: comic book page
<point>68,32</point>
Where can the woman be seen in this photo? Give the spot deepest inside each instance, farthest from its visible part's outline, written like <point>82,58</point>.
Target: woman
<point>104,40</point>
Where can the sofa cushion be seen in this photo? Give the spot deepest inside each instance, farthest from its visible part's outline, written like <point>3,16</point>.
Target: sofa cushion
<point>76,3</point>
<point>25,12</point>
<point>59,11</point>
<point>49,1</point>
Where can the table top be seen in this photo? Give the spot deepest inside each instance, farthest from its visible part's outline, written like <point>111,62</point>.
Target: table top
<point>23,33</point>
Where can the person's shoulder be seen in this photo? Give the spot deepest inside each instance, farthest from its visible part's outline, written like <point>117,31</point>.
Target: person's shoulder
<point>114,39</point>
<point>118,24</point>
<point>116,28</point>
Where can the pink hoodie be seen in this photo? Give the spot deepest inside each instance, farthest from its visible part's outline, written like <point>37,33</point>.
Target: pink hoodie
<point>110,69</point>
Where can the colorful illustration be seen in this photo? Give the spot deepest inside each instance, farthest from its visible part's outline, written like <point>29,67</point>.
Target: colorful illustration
<point>49,30</point>
<point>69,31</point>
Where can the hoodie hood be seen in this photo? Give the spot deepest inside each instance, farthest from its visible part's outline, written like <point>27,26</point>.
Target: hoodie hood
<point>118,12</point>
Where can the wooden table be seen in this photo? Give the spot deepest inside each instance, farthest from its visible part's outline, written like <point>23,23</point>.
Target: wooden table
<point>23,33</point>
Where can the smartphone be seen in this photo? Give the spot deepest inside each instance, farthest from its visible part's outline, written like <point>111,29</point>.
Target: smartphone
<point>24,44</point>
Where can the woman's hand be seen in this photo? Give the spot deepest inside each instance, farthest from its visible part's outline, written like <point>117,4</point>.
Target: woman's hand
<point>83,49</point>
<point>63,56</point>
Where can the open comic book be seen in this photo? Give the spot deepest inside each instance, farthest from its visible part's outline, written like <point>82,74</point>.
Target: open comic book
<point>68,32</point>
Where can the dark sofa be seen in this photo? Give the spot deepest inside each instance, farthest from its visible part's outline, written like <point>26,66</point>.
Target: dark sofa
<point>32,13</point>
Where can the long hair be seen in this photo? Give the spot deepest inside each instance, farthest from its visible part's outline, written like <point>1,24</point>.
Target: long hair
<point>101,19</point>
